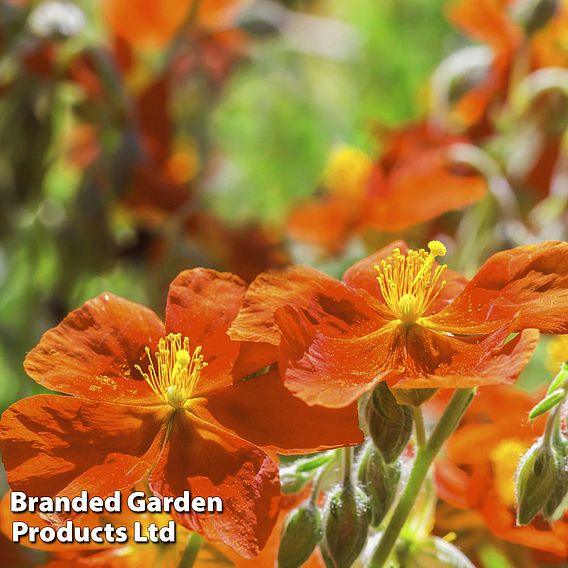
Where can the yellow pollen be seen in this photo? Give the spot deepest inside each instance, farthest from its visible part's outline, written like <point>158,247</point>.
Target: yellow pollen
<point>174,371</point>
<point>409,283</point>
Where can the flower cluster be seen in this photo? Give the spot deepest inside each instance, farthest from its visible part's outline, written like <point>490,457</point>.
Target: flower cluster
<point>374,377</point>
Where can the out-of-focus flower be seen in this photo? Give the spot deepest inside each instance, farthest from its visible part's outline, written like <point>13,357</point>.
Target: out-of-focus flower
<point>488,22</point>
<point>399,316</point>
<point>557,353</point>
<point>479,472</point>
<point>414,181</point>
<point>164,402</point>
<point>154,25</point>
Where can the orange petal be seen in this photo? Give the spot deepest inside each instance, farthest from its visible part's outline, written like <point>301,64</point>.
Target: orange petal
<point>145,24</point>
<point>453,362</point>
<point>325,222</point>
<point>56,445</point>
<point>528,283</point>
<point>264,412</point>
<point>253,357</point>
<point>451,483</point>
<point>201,305</point>
<point>207,461</point>
<point>421,189</point>
<point>92,352</point>
<point>325,299</point>
<point>331,371</point>
<point>487,21</point>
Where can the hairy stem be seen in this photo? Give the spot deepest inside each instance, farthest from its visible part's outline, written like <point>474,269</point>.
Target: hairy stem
<point>419,429</point>
<point>347,465</point>
<point>424,459</point>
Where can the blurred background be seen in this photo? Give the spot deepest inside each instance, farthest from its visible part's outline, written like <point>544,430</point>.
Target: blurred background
<point>138,140</point>
<point>141,138</point>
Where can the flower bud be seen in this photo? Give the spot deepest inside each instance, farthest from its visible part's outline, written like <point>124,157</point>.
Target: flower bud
<point>536,475</point>
<point>389,423</point>
<point>346,524</point>
<point>413,397</point>
<point>533,15</point>
<point>379,480</point>
<point>558,501</point>
<point>300,536</point>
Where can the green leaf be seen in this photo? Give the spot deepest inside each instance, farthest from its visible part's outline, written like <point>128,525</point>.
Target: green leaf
<point>314,463</point>
<point>547,403</point>
<point>560,380</point>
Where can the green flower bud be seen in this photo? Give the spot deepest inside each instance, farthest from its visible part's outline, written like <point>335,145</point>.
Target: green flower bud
<point>379,480</point>
<point>433,553</point>
<point>536,476</point>
<point>413,397</point>
<point>533,15</point>
<point>347,518</point>
<point>300,536</point>
<point>389,423</point>
<point>558,501</point>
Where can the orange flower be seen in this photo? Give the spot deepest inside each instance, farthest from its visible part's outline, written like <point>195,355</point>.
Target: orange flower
<point>399,316</point>
<point>154,24</point>
<point>164,403</point>
<point>480,469</point>
<point>486,21</point>
<point>414,181</point>
<point>492,22</point>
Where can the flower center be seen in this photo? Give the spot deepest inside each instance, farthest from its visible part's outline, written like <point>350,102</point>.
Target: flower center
<point>174,371</point>
<point>409,283</point>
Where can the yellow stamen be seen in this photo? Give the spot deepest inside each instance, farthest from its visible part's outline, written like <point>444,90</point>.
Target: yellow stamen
<point>176,371</point>
<point>409,283</point>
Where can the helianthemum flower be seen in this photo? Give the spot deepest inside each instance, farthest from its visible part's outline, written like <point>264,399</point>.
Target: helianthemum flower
<point>164,403</point>
<point>399,316</point>
<point>415,180</point>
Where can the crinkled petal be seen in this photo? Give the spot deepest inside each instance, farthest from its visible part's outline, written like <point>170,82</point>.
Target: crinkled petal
<point>528,283</point>
<point>201,305</point>
<point>92,352</point>
<point>454,362</point>
<point>420,189</point>
<point>325,299</point>
<point>264,412</point>
<point>57,445</point>
<point>331,371</point>
<point>209,462</point>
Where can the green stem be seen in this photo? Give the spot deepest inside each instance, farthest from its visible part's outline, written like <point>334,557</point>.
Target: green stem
<point>551,422</point>
<point>320,478</point>
<point>424,459</point>
<point>347,465</point>
<point>419,426</point>
<point>192,549</point>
